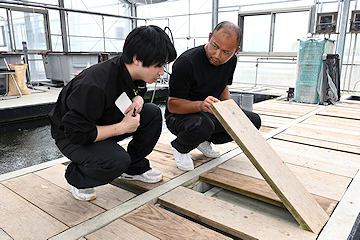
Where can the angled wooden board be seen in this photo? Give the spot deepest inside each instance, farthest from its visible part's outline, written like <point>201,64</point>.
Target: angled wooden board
<point>235,220</point>
<point>254,187</point>
<point>167,225</point>
<point>292,193</point>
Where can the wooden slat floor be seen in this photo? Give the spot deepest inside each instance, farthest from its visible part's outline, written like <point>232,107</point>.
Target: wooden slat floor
<point>320,144</point>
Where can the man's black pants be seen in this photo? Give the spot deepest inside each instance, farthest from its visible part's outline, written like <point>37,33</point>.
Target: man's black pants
<point>195,128</point>
<point>101,162</point>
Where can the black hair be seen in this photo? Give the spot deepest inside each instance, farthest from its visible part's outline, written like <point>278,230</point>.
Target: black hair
<point>232,27</point>
<point>150,44</point>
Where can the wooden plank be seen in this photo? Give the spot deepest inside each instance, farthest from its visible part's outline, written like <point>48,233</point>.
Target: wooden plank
<point>20,219</point>
<point>329,136</point>
<point>293,194</point>
<point>141,185</point>
<point>52,199</point>
<point>273,121</point>
<point>4,236</point>
<point>281,107</point>
<point>230,218</point>
<point>348,104</point>
<point>343,218</point>
<point>111,215</point>
<point>325,160</point>
<point>108,196</point>
<point>334,122</point>
<point>341,113</point>
<point>167,225</point>
<point>319,143</point>
<point>254,188</point>
<point>316,182</point>
<point>120,230</point>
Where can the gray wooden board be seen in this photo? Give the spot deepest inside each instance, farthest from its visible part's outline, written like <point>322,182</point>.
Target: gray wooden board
<point>230,218</point>
<point>20,219</point>
<point>293,194</point>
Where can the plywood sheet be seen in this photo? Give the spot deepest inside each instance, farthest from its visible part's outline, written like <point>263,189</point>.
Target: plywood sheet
<point>167,225</point>
<point>230,218</point>
<point>293,194</point>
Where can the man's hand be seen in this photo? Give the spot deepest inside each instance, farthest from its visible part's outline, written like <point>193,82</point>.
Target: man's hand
<point>205,105</point>
<point>137,103</point>
<point>130,123</point>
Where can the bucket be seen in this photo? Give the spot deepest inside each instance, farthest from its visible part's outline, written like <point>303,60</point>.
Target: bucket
<point>247,101</point>
<point>236,97</point>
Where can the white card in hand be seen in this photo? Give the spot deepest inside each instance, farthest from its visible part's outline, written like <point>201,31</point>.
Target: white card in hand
<point>123,102</point>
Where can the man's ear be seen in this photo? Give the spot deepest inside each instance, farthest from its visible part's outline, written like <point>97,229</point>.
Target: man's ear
<point>237,50</point>
<point>135,61</point>
<point>209,36</point>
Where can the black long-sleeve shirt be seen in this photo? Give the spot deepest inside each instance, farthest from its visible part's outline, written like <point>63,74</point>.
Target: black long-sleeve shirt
<point>89,100</point>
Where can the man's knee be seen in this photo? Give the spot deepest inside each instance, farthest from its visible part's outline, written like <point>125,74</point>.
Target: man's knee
<point>152,111</point>
<point>200,126</point>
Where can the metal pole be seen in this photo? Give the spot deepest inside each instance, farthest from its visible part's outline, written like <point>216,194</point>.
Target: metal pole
<point>215,13</point>
<point>64,35</point>
<point>342,32</point>
<point>133,14</point>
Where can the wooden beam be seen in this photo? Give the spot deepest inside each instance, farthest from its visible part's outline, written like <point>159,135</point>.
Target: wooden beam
<point>292,193</point>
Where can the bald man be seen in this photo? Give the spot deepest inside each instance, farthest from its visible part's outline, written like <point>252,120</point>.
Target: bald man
<point>200,77</point>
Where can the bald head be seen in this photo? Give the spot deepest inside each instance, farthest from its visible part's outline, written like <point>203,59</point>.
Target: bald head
<point>231,28</point>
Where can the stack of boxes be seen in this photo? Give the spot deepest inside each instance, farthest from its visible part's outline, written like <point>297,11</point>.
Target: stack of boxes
<point>309,67</point>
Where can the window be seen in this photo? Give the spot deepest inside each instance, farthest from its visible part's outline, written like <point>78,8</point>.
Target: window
<point>274,32</point>
<point>256,32</point>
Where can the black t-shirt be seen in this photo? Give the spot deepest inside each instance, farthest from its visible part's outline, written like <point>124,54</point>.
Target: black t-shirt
<point>89,100</point>
<point>195,78</point>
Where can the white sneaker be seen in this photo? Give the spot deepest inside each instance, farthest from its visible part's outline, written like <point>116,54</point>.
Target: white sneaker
<point>207,150</point>
<point>86,194</point>
<point>183,161</point>
<point>150,176</point>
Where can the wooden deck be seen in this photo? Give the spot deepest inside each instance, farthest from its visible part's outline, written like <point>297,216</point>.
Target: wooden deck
<point>223,198</point>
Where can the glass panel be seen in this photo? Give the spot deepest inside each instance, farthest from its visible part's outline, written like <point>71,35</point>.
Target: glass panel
<point>114,45</point>
<point>36,67</point>
<point>200,25</point>
<point>167,8</point>
<point>229,16</point>
<point>116,27</point>
<point>288,28</point>
<point>105,6</point>
<point>85,44</point>
<point>56,41</point>
<point>84,25</point>
<point>256,33</point>
<point>4,32</point>
<point>200,6</point>
<point>29,27</point>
